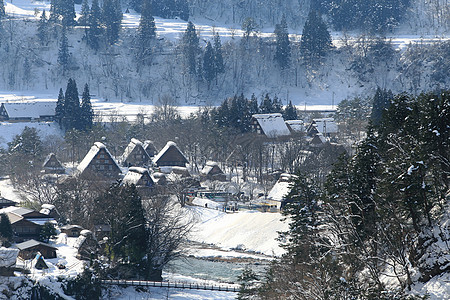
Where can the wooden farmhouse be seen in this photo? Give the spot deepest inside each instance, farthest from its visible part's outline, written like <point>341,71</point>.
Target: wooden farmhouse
<point>170,156</point>
<point>6,202</point>
<point>270,125</point>
<point>72,230</point>
<point>28,249</point>
<point>135,155</point>
<point>52,165</point>
<point>25,111</point>
<point>26,223</point>
<point>99,164</point>
<point>140,177</point>
<point>212,171</point>
<point>150,148</point>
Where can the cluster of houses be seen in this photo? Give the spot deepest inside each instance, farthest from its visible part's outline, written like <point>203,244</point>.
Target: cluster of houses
<point>273,126</point>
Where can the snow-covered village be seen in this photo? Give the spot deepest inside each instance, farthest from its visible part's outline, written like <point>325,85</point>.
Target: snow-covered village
<point>232,149</point>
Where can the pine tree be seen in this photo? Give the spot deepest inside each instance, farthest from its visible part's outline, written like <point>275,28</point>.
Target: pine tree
<point>95,28</point>
<point>208,64</point>
<point>47,232</point>
<point>63,53</point>
<point>253,105</point>
<point>218,57</point>
<point>191,48</point>
<point>87,114</point>
<point>248,281</point>
<point>60,110</point>
<point>316,39</point>
<point>146,33</point>
<point>43,29</point>
<point>283,47</point>
<point>71,106</point>
<point>55,10</point>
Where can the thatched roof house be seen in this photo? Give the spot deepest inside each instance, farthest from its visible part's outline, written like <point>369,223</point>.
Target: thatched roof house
<point>150,148</point>
<point>212,171</point>
<point>139,177</point>
<point>99,163</point>
<point>135,155</point>
<point>170,156</point>
<point>52,165</point>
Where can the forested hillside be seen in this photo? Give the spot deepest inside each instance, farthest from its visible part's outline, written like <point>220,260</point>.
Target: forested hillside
<point>125,56</point>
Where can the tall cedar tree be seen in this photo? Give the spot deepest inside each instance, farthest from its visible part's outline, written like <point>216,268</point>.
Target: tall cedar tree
<point>55,10</point>
<point>112,18</point>
<point>208,64</point>
<point>290,112</point>
<point>266,106</point>
<point>63,53</point>
<point>191,48</point>
<point>83,20</point>
<point>72,109</point>
<point>28,144</point>
<point>95,29</point>
<point>316,40</point>
<point>381,102</point>
<point>218,57</point>
<point>68,12</point>
<point>146,33</point>
<point>87,114</point>
<point>59,109</point>
<point>283,47</point>
<point>42,30</point>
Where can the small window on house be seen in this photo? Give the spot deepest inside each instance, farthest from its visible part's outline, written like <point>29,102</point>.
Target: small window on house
<point>102,155</point>
<point>102,167</point>
<point>110,167</point>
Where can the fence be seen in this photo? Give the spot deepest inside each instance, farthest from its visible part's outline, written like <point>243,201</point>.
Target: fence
<point>174,285</point>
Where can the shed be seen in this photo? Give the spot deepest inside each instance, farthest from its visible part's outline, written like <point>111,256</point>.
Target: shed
<point>29,248</point>
<point>39,262</point>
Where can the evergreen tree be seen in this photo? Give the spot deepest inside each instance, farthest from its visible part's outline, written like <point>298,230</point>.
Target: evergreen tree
<point>60,110</point>
<point>253,105</point>
<point>218,57</point>
<point>316,40</point>
<point>87,113</point>
<point>381,102</point>
<point>182,9</point>
<point>27,144</point>
<point>191,48</point>
<point>6,231</point>
<point>277,105</point>
<point>146,33</point>
<point>248,281</point>
<point>43,29</point>
<point>266,106</point>
<point>112,18</point>
<point>95,29</point>
<point>290,112</point>
<point>2,10</point>
<point>71,106</point>
<point>63,53</point>
<point>47,232</point>
<point>208,64</point>
<point>83,20</point>
<point>55,10</point>
<point>68,12</point>
<point>283,47</point>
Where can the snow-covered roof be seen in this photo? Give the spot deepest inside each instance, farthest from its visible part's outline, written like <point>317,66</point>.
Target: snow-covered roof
<point>8,257</point>
<point>272,124</point>
<point>133,143</point>
<point>208,167</point>
<point>30,109</point>
<point>169,145</point>
<point>48,158</point>
<point>325,125</point>
<point>32,243</point>
<point>280,189</point>
<point>91,154</point>
<point>296,125</point>
<point>134,174</point>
